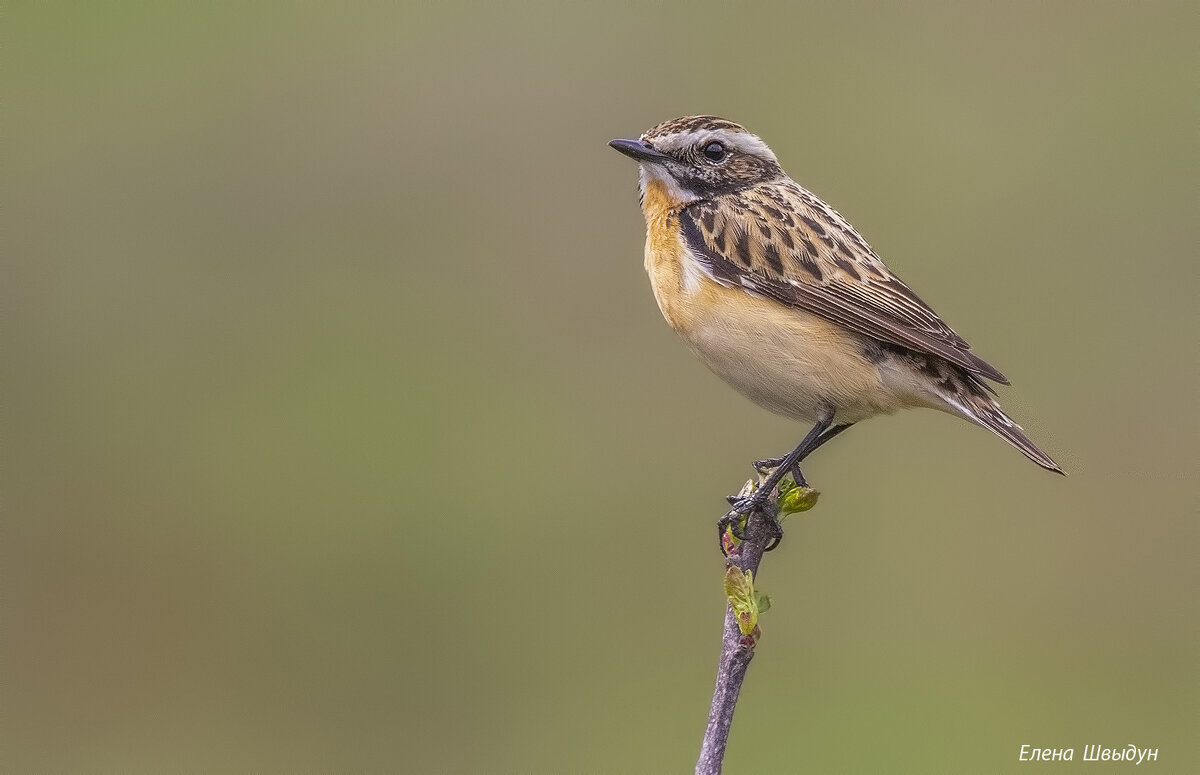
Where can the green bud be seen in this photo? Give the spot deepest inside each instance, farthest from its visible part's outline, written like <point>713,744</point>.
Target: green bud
<point>794,498</point>
<point>739,588</point>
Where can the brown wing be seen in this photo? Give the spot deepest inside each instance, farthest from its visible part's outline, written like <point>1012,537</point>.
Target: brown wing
<point>780,241</point>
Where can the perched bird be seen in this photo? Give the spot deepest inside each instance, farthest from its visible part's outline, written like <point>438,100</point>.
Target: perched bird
<point>780,297</point>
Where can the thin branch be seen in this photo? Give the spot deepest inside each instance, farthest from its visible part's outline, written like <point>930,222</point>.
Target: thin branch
<point>736,649</point>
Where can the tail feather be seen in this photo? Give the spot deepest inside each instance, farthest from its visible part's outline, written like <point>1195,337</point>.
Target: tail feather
<point>968,396</point>
<point>991,417</point>
<point>961,392</point>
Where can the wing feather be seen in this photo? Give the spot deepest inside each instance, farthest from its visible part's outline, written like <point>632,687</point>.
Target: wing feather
<point>781,241</point>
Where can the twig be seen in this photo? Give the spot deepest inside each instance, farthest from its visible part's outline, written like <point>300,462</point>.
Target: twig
<point>736,649</point>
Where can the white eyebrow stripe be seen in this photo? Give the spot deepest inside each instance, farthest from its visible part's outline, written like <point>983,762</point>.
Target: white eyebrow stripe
<point>738,141</point>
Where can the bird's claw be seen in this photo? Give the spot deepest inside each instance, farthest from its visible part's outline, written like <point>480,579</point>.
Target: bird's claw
<point>776,533</point>
<point>745,506</point>
<point>736,519</point>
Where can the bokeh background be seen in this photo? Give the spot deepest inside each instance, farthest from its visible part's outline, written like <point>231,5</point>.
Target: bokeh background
<point>342,433</point>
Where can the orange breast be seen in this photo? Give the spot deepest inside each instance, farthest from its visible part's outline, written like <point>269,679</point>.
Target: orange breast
<point>664,253</point>
<point>783,358</point>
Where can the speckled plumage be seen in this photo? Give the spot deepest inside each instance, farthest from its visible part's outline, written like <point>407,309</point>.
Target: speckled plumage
<point>779,240</point>
<point>782,298</point>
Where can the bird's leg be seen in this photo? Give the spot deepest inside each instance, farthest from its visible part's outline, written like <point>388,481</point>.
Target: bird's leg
<point>771,463</point>
<point>748,503</point>
<point>826,436</point>
<point>822,432</point>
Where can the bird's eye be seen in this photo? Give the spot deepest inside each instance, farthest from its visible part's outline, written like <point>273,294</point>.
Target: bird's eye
<point>714,151</point>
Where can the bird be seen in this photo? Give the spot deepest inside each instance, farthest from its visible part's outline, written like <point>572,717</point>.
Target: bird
<point>778,295</point>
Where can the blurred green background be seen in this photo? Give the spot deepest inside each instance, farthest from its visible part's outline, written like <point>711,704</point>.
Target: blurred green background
<point>342,433</point>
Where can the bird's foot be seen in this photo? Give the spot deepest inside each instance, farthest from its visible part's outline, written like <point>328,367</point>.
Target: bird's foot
<point>764,467</point>
<point>767,465</point>
<point>738,519</point>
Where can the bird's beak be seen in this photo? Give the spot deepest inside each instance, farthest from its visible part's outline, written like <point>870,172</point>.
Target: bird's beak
<point>638,149</point>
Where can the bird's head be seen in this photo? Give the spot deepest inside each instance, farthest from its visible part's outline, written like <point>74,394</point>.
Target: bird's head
<point>699,157</point>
